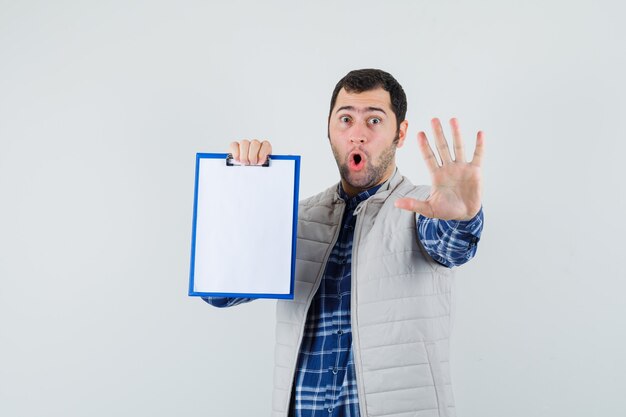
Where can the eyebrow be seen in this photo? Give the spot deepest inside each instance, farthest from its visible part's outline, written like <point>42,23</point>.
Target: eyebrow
<point>366,109</point>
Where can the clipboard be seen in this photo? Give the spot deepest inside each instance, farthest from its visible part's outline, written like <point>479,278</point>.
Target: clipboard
<point>244,227</point>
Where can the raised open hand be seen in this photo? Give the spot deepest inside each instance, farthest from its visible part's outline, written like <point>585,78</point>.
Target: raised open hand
<point>456,184</point>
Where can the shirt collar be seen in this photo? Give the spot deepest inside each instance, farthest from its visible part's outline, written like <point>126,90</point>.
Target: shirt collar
<point>351,203</point>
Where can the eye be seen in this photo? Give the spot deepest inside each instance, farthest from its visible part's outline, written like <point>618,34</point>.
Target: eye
<point>345,119</point>
<point>375,120</point>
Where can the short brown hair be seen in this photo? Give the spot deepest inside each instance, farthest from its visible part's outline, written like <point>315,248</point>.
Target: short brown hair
<point>361,80</point>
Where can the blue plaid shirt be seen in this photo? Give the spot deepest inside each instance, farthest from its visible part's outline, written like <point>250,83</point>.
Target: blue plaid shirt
<point>325,380</point>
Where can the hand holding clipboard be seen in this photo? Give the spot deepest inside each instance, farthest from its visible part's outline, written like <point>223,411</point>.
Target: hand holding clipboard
<point>250,152</point>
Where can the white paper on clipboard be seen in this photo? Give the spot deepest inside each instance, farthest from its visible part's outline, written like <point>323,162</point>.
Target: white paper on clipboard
<point>244,228</point>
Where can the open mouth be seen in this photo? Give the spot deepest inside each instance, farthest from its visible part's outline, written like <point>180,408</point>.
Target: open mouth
<point>356,161</point>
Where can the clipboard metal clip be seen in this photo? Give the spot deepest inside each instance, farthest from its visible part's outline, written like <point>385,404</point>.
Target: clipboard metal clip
<point>230,162</point>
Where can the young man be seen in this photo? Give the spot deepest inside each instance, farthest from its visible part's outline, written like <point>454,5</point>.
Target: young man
<point>368,331</point>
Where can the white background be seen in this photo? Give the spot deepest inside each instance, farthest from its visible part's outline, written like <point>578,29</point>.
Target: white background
<point>103,106</point>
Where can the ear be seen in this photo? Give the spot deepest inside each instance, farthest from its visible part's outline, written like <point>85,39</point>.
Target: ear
<point>402,133</point>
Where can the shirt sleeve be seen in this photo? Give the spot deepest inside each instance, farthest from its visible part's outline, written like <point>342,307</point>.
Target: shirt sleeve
<point>450,242</point>
<point>222,302</point>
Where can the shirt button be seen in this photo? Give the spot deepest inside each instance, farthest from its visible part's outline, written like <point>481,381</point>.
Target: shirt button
<point>330,410</point>
<point>339,332</point>
<point>335,370</point>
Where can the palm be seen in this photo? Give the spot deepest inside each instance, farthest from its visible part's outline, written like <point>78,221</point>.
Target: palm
<point>456,184</point>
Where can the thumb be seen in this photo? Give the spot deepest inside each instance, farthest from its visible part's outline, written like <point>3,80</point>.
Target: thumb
<point>411,204</point>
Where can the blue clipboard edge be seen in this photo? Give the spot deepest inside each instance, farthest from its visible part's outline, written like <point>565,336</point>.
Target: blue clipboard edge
<point>296,159</point>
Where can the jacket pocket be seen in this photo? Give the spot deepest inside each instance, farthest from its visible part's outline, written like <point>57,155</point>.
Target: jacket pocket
<point>438,379</point>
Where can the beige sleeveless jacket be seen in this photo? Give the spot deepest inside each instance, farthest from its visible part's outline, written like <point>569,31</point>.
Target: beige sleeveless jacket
<point>401,305</point>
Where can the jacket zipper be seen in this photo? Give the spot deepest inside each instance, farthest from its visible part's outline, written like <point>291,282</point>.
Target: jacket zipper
<point>308,303</point>
<point>353,307</point>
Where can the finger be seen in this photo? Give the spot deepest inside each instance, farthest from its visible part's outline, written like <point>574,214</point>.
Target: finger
<point>427,152</point>
<point>480,149</point>
<point>244,147</point>
<point>459,151</point>
<point>253,152</point>
<point>410,204</point>
<point>233,149</point>
<point>266,150</point>
<point>440,141</point>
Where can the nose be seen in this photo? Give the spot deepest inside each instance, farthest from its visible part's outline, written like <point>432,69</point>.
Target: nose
<point>357,136</point>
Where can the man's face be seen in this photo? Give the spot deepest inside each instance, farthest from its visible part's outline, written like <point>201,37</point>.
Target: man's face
<point>362,129</point>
